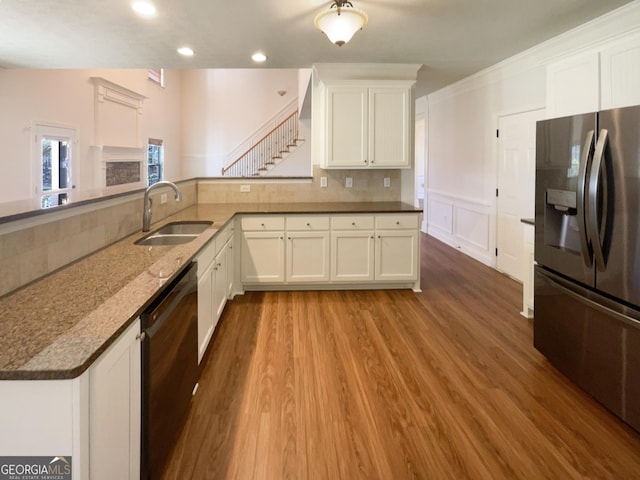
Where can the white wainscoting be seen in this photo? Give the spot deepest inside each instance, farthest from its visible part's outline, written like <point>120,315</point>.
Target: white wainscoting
<point>463,223</point>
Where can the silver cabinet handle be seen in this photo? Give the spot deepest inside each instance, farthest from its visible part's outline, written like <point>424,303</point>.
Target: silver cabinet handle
<point>141,336</point>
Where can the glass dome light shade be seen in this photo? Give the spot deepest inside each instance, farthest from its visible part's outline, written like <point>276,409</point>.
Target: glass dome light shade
<point>341,23</point>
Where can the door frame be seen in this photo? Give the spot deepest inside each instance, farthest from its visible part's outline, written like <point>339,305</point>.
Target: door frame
<point>493,229</point>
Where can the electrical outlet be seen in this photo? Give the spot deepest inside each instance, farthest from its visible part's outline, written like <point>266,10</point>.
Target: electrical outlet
<point>348,182</point>
<point>245,188</point>
<point>323,182</point>
<point>163,198</point>
<point>387,182</point>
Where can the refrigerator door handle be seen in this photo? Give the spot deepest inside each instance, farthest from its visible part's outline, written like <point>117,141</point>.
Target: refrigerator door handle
<point>587,155</point>
<point>592,204</point>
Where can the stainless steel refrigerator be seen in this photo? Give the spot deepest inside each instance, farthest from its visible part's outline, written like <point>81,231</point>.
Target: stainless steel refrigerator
<point>587,250</point>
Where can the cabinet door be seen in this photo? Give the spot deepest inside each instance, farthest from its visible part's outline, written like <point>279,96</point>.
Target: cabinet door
<point>346,127</point>
<point>620,70</point>
<point>352,256</point>
<point>262,258</point>
<point>389,132</point>
<point>114,410</point>
<point>527,284</point>
<point>397,255</point>
<point>230,267</point>
<point>307,257</point>
<point>220,283</point>
<point>573,86</point>
<point>205,308</point>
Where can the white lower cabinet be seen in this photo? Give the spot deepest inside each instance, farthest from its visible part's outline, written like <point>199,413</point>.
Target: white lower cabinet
<point>205,305</point>
<point>397,248</point>
<point>263,257</point>
<point>528,269</point>
<point>307,249</point>
<point>220,282</point>
<point>352,248</point>
<point>94,419</point>
<point>215,282</point>
<point>307,257</point>
<point>396,255</point>
<point>114,409</point>
<point>262,249</point>
<point>352,256</point>
<point>337,249</point>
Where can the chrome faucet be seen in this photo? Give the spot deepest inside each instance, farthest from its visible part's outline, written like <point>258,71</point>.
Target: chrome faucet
<point>146,214</point>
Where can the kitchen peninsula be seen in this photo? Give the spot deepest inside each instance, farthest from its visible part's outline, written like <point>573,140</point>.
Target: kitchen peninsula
<point>58,328</point>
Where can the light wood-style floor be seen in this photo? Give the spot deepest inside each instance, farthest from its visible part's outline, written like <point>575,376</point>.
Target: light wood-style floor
<point>444,384</point>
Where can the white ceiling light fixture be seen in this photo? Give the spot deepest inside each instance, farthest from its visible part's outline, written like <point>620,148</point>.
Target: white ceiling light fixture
<point>341,21</point>
<point>259,57</point>
<point>144,8</point>
<point>186,51</point>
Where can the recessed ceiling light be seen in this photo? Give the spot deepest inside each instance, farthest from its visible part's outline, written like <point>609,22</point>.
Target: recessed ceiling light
<point>259,57</point>
<point>186,51</point>
<point>144,8</point>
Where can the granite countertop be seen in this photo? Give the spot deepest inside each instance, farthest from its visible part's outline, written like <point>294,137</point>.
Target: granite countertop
<point>55,327</point>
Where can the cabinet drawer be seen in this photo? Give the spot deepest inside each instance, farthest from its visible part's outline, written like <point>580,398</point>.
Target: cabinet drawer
<point>262,223</point>
<point>352,222</point>
<point>305,223</point>
<point>390,222</point>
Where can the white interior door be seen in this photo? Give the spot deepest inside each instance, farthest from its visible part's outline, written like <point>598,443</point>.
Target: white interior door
<point>516,187</point>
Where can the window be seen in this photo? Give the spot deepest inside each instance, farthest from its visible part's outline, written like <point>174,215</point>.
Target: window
<point>156,75</point>
<point>55,164</point>
<point>155,161</point>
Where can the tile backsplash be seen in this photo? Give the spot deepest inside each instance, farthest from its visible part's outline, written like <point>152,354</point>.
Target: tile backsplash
<point>35,246</point>
<point>29,253</point>
<point>368,186</point>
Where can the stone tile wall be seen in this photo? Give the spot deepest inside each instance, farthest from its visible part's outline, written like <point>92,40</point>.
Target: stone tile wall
<point>36,246</point>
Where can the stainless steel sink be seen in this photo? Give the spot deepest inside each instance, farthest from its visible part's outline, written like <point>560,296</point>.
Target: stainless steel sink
<point>174,233</point>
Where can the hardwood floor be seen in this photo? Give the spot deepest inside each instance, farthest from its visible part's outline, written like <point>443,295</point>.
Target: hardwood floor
<point>444,384</point>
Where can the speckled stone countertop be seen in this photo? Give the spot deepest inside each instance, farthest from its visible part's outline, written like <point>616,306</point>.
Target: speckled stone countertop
<point>56,327</point>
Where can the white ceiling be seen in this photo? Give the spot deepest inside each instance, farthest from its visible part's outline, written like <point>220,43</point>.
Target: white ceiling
<point>451,38</point>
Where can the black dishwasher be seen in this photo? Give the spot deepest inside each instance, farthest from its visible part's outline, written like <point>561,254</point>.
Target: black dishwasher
<point>169,368</point>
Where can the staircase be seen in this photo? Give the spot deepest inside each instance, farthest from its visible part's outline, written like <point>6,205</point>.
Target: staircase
<point>268,152</point>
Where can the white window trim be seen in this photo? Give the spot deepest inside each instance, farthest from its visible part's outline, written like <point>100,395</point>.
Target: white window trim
<point>58,131</point>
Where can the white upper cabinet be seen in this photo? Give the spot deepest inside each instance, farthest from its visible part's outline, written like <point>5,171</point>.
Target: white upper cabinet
<point>597,80</point>
<point>620,74</point>
<point>390,115</point>
<point>573,86</point>
<point>367,125</point>
<point>347,110</point>
<point>362,115</point>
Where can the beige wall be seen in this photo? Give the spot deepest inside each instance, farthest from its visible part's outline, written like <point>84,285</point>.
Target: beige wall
<point>66,97</point>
